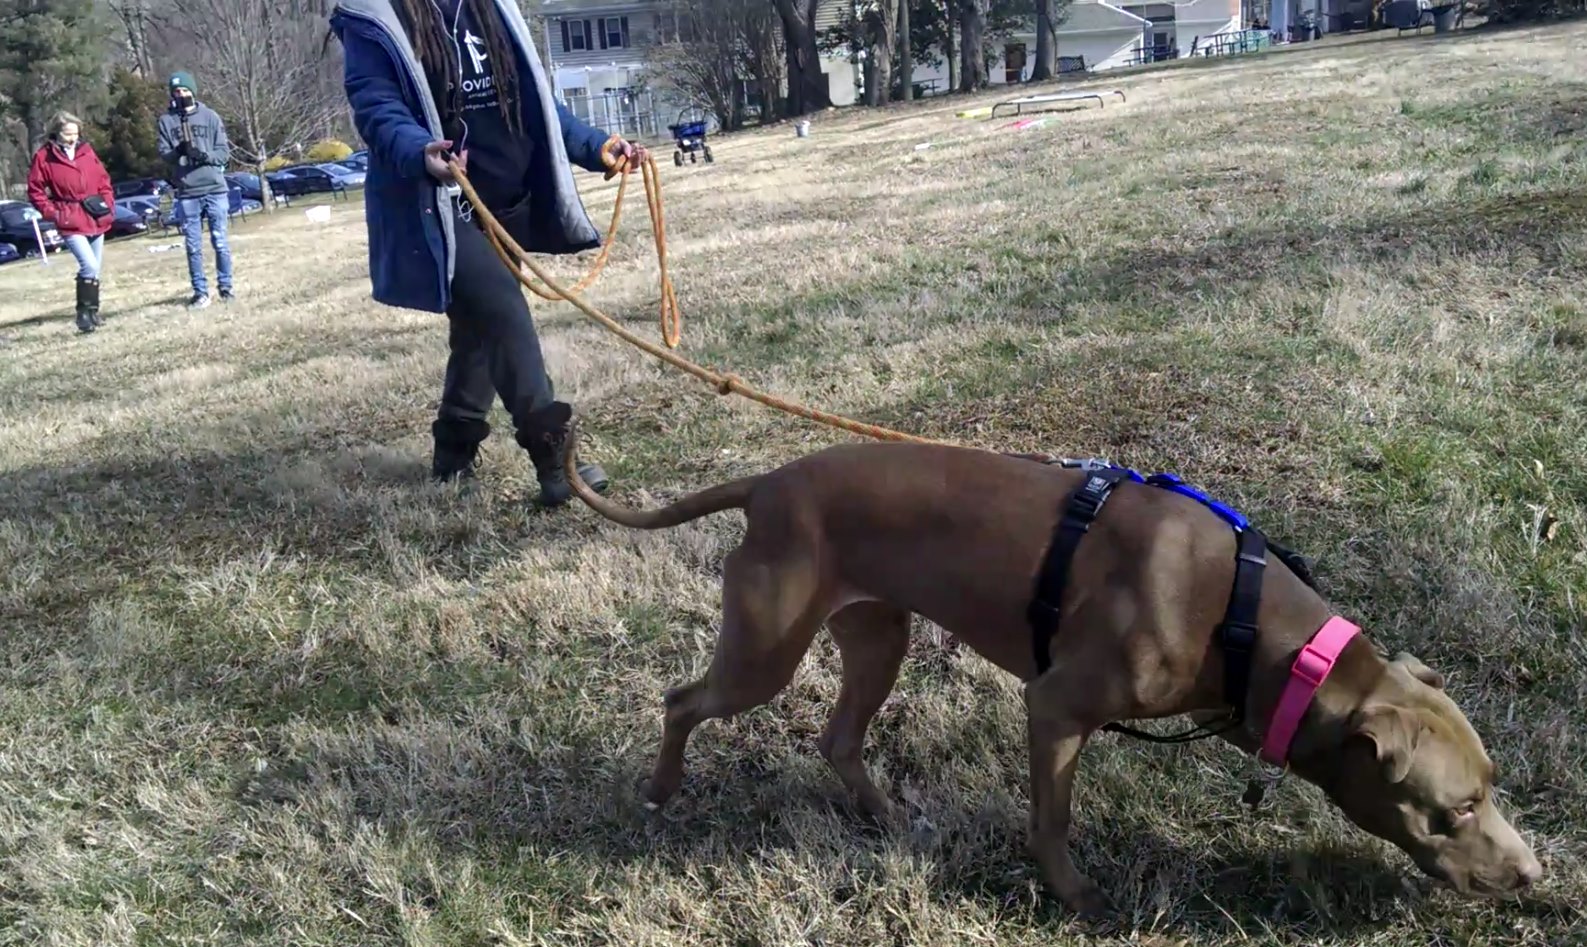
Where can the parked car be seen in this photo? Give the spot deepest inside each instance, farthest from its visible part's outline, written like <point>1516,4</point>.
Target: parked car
<point>144,206</point>
<point>307,179</point>
<point>16,228</point>
<point>248,183</point>
<point>357,161</point>
<point>129,222</point>
<point>236,204</point>
<point>140,187</point>
<point>9,253</point>
<point>349,177</point>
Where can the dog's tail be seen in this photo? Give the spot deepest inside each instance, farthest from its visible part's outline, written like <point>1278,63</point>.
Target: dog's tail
<point>733,495</point>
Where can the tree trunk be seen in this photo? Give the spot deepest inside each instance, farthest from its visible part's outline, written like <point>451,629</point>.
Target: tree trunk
<point>883,34</point>
<point>1046,65</point>
<point>972,42</point>
<point>267,200</point>
<point>950,22</point>
<point>807,84</point>
<point>906,57</point>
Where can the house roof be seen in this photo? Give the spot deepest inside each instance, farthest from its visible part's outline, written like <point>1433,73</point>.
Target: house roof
<point>556,8</point>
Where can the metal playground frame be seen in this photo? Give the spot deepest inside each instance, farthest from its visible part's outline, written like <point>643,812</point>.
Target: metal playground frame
<point>1051,97</point>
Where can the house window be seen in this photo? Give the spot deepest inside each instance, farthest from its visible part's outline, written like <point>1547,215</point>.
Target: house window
<point>614,32</point>
<point>576,36</point>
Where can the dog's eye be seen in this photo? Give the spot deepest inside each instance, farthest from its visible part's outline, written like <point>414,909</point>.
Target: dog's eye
<point>1462,812</point>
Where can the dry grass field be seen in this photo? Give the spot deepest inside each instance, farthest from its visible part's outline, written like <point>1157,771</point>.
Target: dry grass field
<point>261,683</point>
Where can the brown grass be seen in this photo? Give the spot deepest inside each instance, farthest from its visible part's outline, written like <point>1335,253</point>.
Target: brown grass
<point>262,683</point>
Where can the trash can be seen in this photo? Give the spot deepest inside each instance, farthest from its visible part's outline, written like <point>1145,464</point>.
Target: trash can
<point>1445,18</point>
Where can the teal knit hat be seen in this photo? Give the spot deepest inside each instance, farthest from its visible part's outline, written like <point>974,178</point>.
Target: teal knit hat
<point>183,80</point>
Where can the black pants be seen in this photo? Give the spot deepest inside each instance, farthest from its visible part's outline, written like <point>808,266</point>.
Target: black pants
<point>495,349</point>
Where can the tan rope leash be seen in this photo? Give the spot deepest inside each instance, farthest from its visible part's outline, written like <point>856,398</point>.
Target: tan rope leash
<point>516,258</point>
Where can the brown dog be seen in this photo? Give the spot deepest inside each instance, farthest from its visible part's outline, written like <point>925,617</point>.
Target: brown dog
<point>860,536</point>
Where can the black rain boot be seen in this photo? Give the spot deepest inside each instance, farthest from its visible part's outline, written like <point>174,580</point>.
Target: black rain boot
<point>456,448</point>
<point>85,320</point>
<point>545,437</point>
<point>93,303</point>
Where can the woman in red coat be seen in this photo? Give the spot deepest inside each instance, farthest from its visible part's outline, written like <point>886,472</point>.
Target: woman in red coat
<point>68,185</point>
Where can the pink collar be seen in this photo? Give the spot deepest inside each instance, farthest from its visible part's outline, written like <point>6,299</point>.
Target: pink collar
<point>1306,675</point>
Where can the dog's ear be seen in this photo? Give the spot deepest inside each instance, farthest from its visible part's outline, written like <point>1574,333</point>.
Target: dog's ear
<point>1394,732</point>
<point>1418,670</point>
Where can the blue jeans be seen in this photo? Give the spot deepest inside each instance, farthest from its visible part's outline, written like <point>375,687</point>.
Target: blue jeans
<point>192,211</point>
<point>90,254</point>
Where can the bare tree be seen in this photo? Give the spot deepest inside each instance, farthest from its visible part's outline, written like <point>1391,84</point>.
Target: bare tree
<point>714,49</point>
<point>141,21</point>
<point>881,26</point>
<point>765,57</point>
<point>972,54</point>
<point>807,84</point>
<point>264,65</point>
<point>1049,15</point>
<point>700,58</point>
<point>906,53</point>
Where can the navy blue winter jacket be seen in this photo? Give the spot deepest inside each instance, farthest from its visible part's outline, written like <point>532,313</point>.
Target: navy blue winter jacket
<point>408,212</point>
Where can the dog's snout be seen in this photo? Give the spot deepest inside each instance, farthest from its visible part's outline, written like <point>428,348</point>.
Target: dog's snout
<point>1528,873</point>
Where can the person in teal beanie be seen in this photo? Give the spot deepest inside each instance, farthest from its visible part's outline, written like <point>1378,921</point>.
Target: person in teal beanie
<point>192,141</point>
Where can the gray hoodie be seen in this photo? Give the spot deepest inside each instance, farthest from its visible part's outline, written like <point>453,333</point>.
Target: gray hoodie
<point>208,134</point>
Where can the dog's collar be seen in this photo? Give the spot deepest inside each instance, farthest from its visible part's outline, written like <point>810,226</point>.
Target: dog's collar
<point>1312,666</point>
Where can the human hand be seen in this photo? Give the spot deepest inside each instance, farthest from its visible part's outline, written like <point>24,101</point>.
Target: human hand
<point>636,154</point>
<point>435,161</point>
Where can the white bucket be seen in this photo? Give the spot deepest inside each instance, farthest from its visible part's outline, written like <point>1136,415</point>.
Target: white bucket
<point>802,129</point>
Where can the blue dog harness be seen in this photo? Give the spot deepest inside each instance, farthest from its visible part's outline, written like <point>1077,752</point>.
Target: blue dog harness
<point>1237,632</point>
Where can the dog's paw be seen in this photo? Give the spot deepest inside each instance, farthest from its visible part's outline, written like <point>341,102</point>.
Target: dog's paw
<point>1086,900</point>
<point>651,796</point>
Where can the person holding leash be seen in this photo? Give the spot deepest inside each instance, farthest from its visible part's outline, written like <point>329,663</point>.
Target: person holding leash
<point>429,79</point>
<point>70,188</point>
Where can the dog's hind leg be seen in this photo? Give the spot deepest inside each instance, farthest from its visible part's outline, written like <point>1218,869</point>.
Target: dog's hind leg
<point>1057,734</point>
<point>872,638</point>
<point>770,614</point>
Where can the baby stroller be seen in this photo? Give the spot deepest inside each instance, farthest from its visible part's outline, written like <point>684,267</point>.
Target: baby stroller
<point>690,136</point>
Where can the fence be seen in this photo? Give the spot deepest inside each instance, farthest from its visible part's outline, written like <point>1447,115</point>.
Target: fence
<point>630,114</point>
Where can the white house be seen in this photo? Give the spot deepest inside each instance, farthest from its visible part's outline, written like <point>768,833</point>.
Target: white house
<point>597,54</point>
<point>1108,34</point>
<point>597,49</point>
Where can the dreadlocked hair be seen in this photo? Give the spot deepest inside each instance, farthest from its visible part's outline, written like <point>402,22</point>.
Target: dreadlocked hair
<point>433,43</point>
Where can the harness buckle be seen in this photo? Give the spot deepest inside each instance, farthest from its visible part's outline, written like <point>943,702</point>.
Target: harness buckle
<point>1087,464</point>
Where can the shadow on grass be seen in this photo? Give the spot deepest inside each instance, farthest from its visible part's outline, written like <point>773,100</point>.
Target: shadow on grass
<point>108,310</point>
<point>577,796</point>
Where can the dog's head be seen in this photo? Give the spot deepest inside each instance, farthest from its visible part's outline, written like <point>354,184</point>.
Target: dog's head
<point>1411,769</point>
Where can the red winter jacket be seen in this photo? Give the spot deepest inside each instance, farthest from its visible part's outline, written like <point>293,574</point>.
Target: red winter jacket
<point>57,185</point>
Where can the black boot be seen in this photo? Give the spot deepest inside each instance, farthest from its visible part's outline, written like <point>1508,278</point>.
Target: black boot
<point>93,303</point>
<point>456,448</point>
<point>85,319</point>
<point>545,437</point>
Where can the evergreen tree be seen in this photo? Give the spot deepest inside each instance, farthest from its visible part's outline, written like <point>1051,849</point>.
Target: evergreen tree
<point>52,55</point>
<point>125,140</point>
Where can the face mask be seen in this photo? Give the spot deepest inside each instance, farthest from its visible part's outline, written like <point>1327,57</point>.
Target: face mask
<point>183,100</point>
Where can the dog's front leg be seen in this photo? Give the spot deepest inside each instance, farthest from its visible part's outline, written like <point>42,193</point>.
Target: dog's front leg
<point>1056,737</point>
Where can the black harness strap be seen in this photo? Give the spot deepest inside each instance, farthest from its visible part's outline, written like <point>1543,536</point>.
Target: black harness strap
<point>1236,633</point>
<point>1082,507</point>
